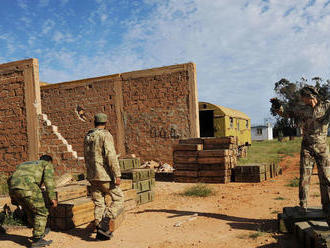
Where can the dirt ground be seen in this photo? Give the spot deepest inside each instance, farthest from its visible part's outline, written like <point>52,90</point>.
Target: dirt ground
<point>239,215</point>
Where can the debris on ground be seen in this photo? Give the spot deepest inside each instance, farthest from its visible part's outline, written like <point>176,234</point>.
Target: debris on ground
<point>192,217</point>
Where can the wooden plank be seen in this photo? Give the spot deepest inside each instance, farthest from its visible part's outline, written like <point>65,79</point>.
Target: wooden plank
<point>185,173</point>
<point>188,147</point>
<point>116,223</point>
<point>185,179</point>
<point>191,141</point>
<point>70,192</point>
<point>215,153</point>
<point>185,160</point>
<point>214,173</point>
<point>186,153</point>
<point>214,160</point>
<point>219,147</point>
<point>214,179</point>
<point>220,140</point>
<point>186,166</point>
<point>214,167</point>
<point>126,184</point>
<point>130,194</point>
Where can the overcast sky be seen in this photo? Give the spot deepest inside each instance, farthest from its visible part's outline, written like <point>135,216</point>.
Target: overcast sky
<point>241,47</point>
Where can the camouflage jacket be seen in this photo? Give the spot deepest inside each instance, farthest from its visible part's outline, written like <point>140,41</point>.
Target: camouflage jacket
<point>313,121</point>
<point>34,172</point>
<point>100,156</point>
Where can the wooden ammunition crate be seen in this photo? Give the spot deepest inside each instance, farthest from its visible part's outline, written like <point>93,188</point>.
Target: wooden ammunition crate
<point>145,197</point>
<point>129,163</point>
<point>69,192</point>
<point>138,174</point>
<point>145,185</point>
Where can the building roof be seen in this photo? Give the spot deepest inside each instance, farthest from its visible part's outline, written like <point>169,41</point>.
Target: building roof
<point>228,111</point>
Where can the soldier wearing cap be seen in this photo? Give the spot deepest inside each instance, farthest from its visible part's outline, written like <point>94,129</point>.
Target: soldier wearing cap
<point>313,116</point>
<point>103,172</point>
<point>24,190</point>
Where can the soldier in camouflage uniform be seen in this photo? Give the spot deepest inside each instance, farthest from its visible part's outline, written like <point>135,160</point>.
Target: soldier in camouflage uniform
<point>103,172</point>
<point>314,118</point>
<point>24,190</point>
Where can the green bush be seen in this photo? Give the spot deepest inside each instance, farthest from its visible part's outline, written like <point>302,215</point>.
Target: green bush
<point>198,190</point>
<point>294,182</point>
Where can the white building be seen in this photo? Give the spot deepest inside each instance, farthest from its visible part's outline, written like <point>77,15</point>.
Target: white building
<point>262,132</point>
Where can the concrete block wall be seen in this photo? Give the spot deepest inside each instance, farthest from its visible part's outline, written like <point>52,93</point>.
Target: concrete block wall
<point>19,107</point>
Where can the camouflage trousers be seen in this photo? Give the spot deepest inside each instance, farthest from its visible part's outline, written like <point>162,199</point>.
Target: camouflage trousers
<point>33,205</point>
<point>318,153</point>
<point>108,200</point>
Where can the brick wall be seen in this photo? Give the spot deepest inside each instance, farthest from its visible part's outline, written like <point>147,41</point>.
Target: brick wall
<point>148,110</point>
<point>19,106</point>
<point>62,102</point>
<point>65,159</point>
<point>159,108</point>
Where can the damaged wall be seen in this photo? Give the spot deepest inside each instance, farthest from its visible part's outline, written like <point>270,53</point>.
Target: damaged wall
<point>148,110</point>
<point>19,108</point>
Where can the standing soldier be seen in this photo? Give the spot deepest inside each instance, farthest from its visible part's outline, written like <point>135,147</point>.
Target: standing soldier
<point>103,172</point>
<point>24,190</point>
<point>314,119</point>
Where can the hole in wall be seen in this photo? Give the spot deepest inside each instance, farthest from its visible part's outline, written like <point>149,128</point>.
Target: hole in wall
<point>81,113</point>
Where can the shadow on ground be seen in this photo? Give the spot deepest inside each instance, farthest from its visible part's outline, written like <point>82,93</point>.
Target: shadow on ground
<point>18,239</point>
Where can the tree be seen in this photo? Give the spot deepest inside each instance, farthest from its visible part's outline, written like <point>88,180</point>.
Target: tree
<point>288,96</point>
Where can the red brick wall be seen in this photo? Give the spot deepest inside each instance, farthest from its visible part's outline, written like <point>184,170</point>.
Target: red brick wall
<point>148,110</point>
<point>60,103</point>
<point>157,113</point>
<point>16,83</point>
<point>63,159</point>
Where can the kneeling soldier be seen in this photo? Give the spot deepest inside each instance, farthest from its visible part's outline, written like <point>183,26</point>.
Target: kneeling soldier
<point>24,190</point>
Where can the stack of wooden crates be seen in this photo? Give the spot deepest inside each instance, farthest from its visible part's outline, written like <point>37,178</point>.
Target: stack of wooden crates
<point>207,160</point>
<point>256,172</point>
<point>143,179</point>
<point>76,208</point>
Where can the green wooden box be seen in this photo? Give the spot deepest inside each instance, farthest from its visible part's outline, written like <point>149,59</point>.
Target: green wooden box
<point>145,185</point>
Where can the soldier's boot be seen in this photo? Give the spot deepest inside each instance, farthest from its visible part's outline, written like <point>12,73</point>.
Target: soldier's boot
<point>303,207</point>
<point>40,242</point>
<point>103,232</point>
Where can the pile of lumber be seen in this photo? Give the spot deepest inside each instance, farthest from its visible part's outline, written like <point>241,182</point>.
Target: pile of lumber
<point>143,182</point>
<point>76,208</point>
<point>256,172</point>
<point>207,160</point>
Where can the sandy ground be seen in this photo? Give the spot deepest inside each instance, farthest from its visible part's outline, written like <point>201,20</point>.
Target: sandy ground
<point>230,218</point>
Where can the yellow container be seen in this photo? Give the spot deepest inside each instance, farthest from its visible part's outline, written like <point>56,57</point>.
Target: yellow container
<point>219,121</point>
